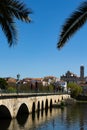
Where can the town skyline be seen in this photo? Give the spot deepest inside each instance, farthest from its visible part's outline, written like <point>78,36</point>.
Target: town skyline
<point>49,75</point>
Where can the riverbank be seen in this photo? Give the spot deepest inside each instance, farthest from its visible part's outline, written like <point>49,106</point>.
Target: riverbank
<point>63,103</point>
<point>70,101</point>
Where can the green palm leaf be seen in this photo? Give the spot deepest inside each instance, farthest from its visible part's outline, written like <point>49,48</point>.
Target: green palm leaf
<point>9,10</point>
<point>72,24</point>
<point>9,29</point>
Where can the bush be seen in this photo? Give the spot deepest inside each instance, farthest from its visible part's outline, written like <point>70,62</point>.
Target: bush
<point>3,83</point>
<point>11,90</point>
<point>75,89</point>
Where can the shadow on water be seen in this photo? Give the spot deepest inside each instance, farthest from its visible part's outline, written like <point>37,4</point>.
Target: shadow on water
<point>22,119</point>
<point>27,121</point>
<point>4,124</point>
<point>71,117</point>
<point>5,118</point>
<point>38,114</point>
<point>46,112</point>
<point>33,115</point>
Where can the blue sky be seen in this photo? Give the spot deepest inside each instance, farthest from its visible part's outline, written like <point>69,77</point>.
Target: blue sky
<point>36,53</point>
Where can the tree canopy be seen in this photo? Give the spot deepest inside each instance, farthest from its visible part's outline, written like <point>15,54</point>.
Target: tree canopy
<point>3,83</point>
<point>75,89</point>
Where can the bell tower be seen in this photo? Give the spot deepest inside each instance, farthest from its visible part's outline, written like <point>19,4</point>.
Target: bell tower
<point>82,72</point>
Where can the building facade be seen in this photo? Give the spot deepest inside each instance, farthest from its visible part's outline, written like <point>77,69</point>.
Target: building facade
<point>70,77</point>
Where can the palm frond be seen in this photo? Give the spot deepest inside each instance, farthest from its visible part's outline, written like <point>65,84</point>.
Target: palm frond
<point>16,9</point>
<point>9,29</point>
<point>72,24</point>
<point>9,10</point>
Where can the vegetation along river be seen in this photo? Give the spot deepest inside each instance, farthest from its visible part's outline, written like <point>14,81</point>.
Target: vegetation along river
<point>72,117</point>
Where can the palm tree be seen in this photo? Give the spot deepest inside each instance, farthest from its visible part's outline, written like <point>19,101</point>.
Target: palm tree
<point>72,24</point>
<point>9,10</point>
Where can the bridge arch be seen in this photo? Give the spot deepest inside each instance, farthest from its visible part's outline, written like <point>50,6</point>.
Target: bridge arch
<point>4,112</point>
<point>23,109</point>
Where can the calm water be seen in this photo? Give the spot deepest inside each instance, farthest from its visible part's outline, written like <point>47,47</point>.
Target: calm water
<point>70,118</point>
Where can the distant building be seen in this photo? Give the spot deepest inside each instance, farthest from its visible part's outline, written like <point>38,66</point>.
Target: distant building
<point>31,81</point>
<point>70,77</point>
<point>82,72</point>
<point>63,85</point>
<point>49,79</point>
<point>10,80</point>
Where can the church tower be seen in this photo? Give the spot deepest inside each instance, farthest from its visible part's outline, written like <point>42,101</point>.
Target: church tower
<point>82,72</point>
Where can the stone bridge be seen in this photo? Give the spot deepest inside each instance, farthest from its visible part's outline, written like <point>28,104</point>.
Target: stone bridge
<point>12,105</point>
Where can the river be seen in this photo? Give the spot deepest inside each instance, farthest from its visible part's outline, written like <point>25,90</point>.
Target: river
<point>70,118</point>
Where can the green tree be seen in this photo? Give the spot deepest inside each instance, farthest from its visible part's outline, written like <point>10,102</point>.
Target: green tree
<point>72,24</point>
<point>3,83</point>
<point>11,89</point>
<point>9,10</point>
<point>75,89</point>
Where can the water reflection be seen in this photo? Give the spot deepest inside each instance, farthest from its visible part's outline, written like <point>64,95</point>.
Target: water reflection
<point>32,121</point>
<point>78,115</point>
<point>70,118</point>
<point>4,124</point>
<point>22,119</point>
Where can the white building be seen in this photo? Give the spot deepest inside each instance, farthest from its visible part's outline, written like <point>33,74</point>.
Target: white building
<point>63,84</point>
